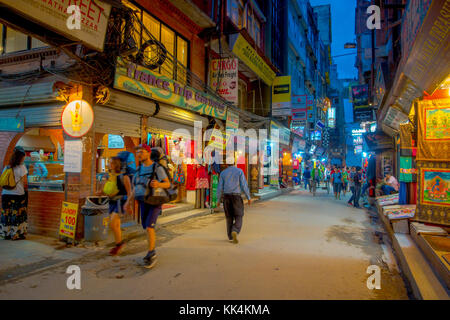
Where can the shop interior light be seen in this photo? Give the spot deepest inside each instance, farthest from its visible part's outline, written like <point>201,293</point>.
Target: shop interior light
<point>364,154</point>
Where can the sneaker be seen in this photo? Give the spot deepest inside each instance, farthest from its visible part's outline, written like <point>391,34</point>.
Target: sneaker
<point>150,260</point>
<point>117,249</point>
<point>234,235</point>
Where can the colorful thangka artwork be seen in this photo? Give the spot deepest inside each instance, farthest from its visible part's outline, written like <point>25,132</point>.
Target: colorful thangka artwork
<point>437,123</point>
<point>435,188</point>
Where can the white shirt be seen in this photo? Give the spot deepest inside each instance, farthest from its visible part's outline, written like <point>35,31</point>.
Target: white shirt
<point>393,183</point>
<point>19,172</point>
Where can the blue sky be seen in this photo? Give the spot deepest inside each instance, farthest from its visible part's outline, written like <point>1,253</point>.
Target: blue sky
<point>343,30</point>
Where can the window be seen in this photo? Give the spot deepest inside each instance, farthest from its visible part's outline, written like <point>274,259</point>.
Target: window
<point>236,12</point>
<point>177,47</point>
<point>13,41</point>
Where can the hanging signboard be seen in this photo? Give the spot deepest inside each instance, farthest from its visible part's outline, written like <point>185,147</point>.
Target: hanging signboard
<point>53,14</point>
<point>281,96</point>
<point>310,109</point>
<point>245,52</point>
<point>361,109</point>
<point>77,118</point>
<point>299,110</point>
<point>68,222</point>
<point>115,142</point>
<point>14,124</point>
<point>394,117</point>
<point>223,78</point>
<point>136,79</point>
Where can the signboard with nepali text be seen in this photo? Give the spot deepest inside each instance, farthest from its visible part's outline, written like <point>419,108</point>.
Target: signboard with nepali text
<point>144,82</point>
<point>53,14</point>
<point>68,222</point>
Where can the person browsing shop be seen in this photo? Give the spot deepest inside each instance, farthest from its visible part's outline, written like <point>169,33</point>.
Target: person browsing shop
<point>13,219</point>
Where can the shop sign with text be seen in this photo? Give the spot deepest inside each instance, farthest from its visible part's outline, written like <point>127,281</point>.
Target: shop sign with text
<point>53,14</point>
<point>68,222</point>
<point>281,96</point>
<point>144,82</point>
<point>244,51</point>
<point>223,78</point>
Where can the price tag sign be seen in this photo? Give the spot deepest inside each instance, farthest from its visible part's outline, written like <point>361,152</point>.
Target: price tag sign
<point>68,222</point>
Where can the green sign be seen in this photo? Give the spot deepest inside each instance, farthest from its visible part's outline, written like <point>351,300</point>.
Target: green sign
<point>144,82</point>
<point>15,124</point>
<point>215,183</point>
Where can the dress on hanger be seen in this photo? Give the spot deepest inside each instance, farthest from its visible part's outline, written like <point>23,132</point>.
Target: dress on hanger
<point>202,181</point>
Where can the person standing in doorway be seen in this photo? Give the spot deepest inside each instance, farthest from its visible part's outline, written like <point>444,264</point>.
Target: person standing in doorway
<point>232,183</point>
<point>148,168</point>
<point>13,219</point>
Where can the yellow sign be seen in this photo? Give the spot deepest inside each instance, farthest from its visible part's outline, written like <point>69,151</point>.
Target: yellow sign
<point>68,222</point>
<point>77,118</point>
<point>281,96</point>
<point>244,51</point>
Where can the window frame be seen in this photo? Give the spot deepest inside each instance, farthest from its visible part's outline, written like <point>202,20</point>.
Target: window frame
<point>175,49</point>
<point>3,42</point>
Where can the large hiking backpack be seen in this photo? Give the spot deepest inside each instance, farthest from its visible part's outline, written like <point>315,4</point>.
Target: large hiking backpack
<point>128,163</point>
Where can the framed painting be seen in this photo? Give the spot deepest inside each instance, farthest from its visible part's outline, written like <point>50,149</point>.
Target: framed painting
<point>435,185</point>
<point>436,123</point>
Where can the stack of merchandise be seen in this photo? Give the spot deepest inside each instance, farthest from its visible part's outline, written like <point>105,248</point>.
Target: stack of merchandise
<point>420,228</point>
<point>387,200</point>
<point>399,211</point>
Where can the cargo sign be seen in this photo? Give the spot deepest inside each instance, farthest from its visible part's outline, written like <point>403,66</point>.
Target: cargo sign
<point>144,82</point>
<point>68,222</point>
<point>244,51</point>
<point>223,78</point>
<point>53,14</point>
<point>281,96</point>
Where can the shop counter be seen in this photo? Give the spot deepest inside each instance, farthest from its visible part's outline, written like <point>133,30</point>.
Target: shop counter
<point>44,210</point>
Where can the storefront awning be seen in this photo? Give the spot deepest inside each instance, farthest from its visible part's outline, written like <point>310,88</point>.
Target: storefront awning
<point>425,63</point>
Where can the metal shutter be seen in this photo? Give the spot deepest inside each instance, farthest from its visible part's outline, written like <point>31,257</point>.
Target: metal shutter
<point>112,121</point>
<point>48,115</point>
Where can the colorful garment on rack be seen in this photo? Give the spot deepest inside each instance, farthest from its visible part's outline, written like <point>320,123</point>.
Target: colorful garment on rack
<point>403,193</point>
<point>202,181</point>
<point>408,147</point>
<point>191,174</point>
<point>408,171</point>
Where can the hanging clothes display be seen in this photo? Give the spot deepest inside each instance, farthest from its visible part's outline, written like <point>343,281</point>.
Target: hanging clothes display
<point>408,171</point>
<point>403,193</point>
<point>201,180</point>
<point>191,174</point>
<point>408,146</point>
<point>412,193</point>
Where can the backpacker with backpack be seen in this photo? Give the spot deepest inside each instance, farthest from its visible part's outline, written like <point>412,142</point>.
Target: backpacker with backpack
<point>154,196</point>
<point>128,163</point>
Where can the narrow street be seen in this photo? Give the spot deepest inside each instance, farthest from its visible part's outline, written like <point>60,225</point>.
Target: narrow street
<point>294,246</point>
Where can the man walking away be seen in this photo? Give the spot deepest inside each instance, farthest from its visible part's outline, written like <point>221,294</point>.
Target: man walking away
<point>358,181</point>
<point>232,183</point>
<point>351,183</point>
<point>337,183</point>
<point>307,177</point>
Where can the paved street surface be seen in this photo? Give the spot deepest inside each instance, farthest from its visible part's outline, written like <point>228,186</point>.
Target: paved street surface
<point>291,247</point>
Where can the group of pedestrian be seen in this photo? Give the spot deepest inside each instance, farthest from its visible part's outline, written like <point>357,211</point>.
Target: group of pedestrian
<point>123,190</point>
<point>344,178</point>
